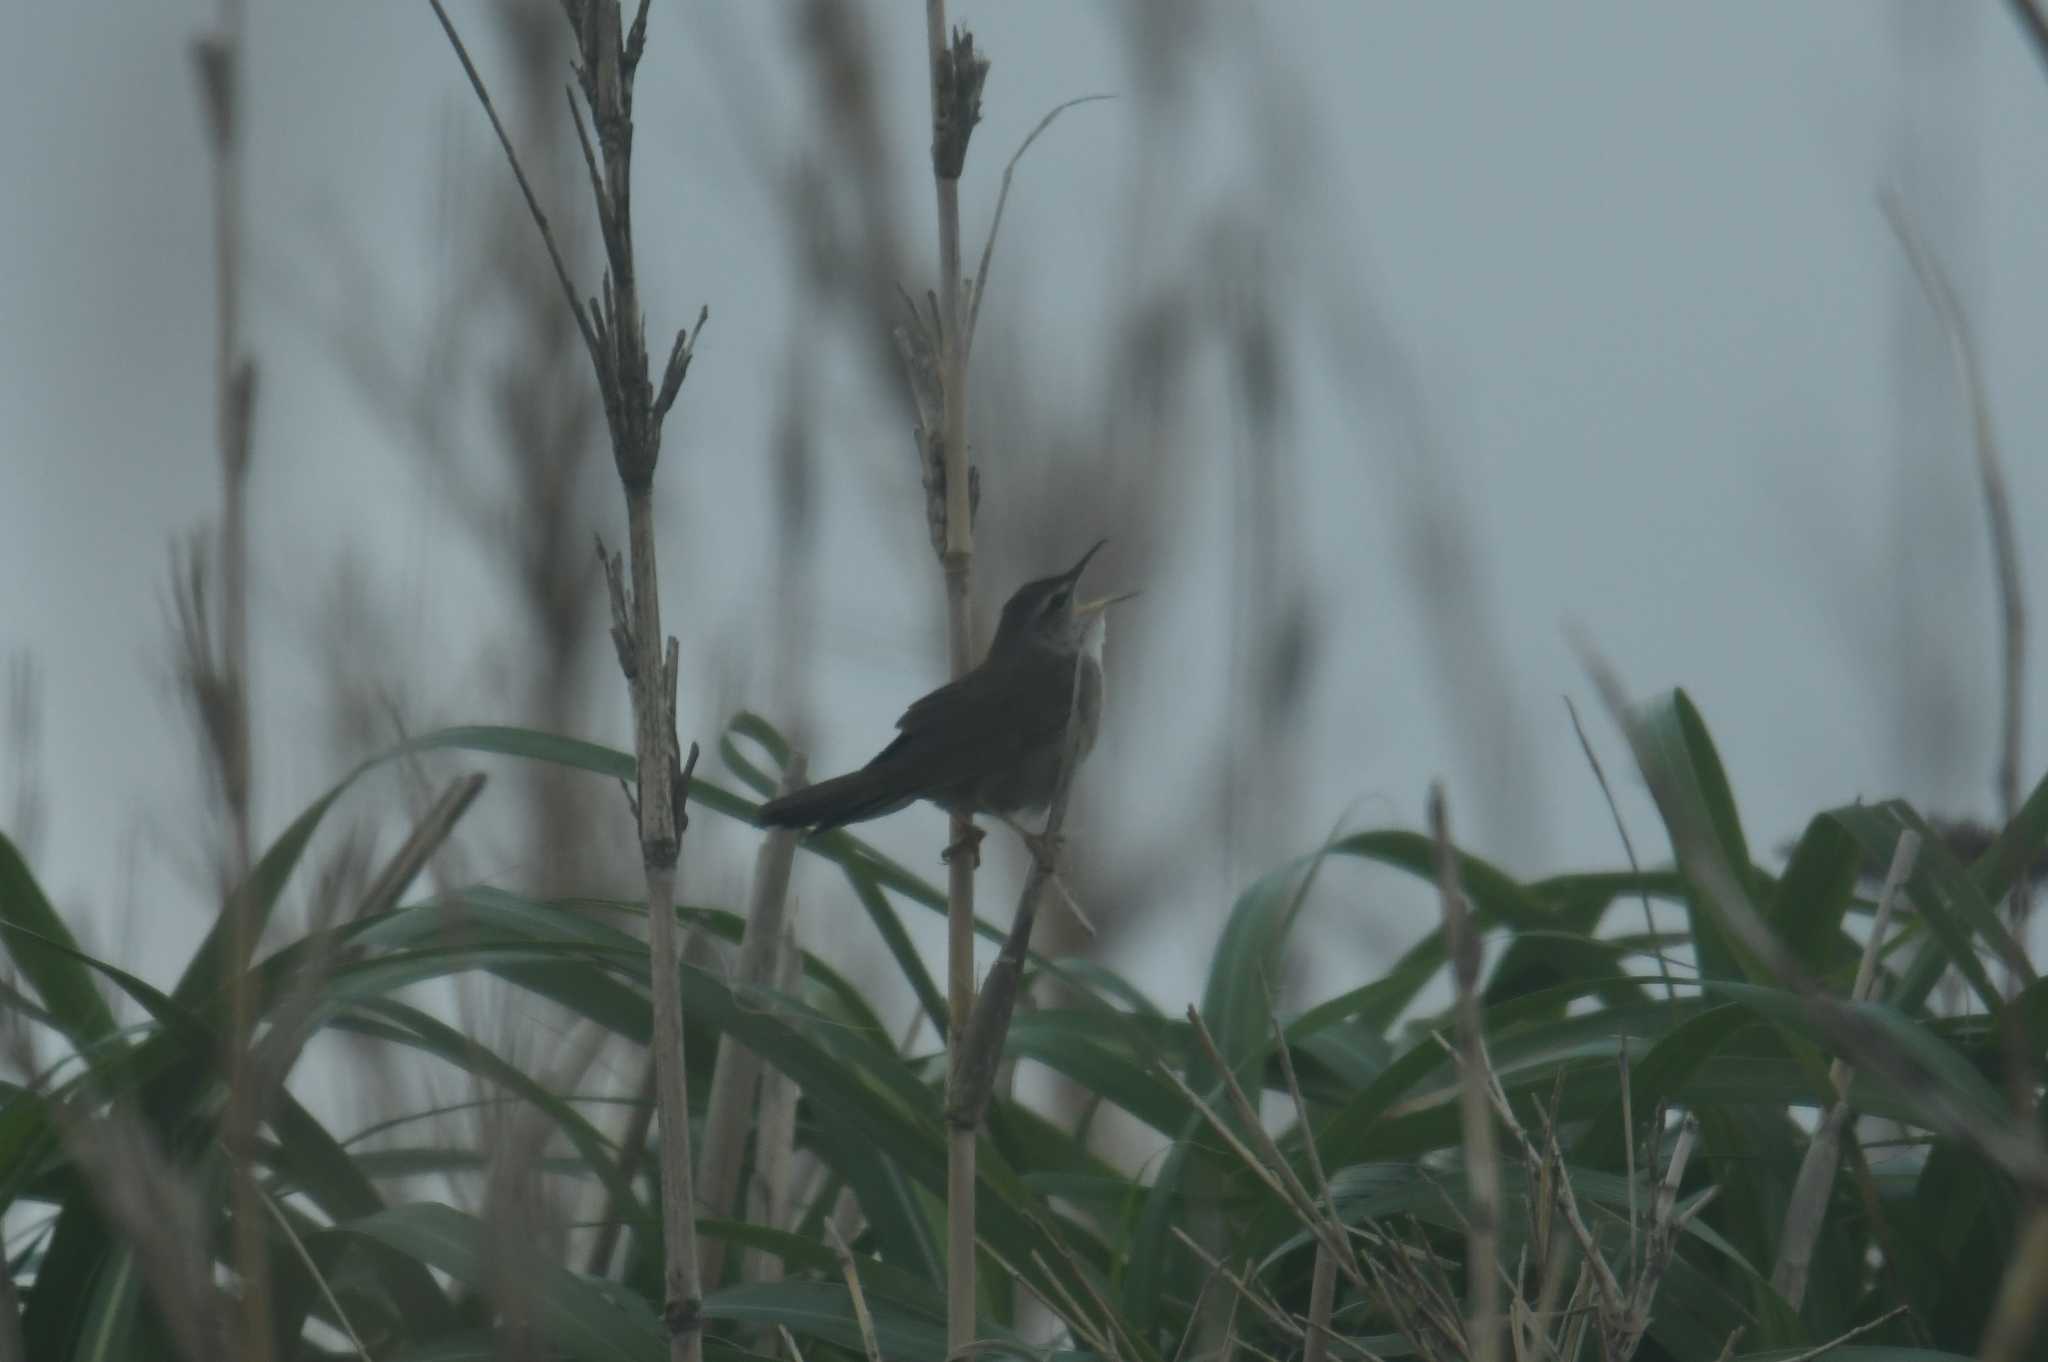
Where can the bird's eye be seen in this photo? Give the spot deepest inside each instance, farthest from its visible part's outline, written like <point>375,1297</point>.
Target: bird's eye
<point>1058,600</point>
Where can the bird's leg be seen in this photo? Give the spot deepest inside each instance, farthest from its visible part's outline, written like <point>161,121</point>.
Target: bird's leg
<point>1048,851</point>
<point>1045,850</point>
<point>970,845</point>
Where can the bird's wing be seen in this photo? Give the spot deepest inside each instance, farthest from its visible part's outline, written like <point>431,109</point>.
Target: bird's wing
<point>987,718</point>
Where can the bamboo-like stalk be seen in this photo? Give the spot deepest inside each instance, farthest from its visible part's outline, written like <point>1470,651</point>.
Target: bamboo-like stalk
<point>1482,1157</point>
<point>956,77</point>
<point>614,332</point>
<point>661,791</point>
<point>735,1076</point>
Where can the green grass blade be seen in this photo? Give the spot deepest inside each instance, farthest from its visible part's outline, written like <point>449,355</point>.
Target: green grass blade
<point>61,980</point>
<point>1675,741</point>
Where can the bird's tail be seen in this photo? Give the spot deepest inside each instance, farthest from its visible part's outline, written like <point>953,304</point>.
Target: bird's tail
<point>869,792</point>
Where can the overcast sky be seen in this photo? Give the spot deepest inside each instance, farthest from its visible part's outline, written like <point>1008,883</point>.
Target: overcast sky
<point>1679,389</point>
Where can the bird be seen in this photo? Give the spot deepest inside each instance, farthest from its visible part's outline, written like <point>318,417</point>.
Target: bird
<point>992,741</point>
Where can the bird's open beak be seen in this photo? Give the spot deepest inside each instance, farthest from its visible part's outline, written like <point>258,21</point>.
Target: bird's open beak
<point>1089,609</point>
<point>1074,573</point>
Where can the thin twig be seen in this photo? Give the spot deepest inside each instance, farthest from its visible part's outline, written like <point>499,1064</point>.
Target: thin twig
<point>988,247</point>
<point>1328,1232</point>
<point>1194,1316</point>
<point>860,1299</point>
<point>1279,1318</point>
<point>540,218</point>
<point>1604,1282</point>
<point>1859,1331</point>
<point>1628,846</point>
<point>319,1277</point>
<point>1111,1315</point>
<point>2005,551</point>
<point>1237,1146</point>
<point>1070,1309</point>
<point>1315,1157</point>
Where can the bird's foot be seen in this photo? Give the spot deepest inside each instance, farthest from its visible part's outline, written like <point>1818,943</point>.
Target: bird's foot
<point>1044,849</point>
<point>970,845</point>
<point>1047,851</point>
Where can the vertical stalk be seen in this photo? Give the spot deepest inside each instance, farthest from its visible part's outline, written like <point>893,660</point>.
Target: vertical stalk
<point>661,849</point>
<point>219,58</point>
<point>955,94</point>
<point>613,331</point>
<point>736,1074</point>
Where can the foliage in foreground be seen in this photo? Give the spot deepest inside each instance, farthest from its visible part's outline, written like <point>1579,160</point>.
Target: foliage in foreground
<point>1609,1076</point>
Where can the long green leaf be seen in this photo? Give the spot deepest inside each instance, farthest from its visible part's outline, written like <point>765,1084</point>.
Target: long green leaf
<point>61,980</point>
<point>1676,745</point>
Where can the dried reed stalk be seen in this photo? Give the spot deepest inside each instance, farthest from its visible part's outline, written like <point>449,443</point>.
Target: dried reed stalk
<point>957,72</point>
<point>614,332</point>
<point>736,1074</point>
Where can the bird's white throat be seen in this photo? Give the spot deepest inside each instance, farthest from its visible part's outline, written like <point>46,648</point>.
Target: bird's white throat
<point>1091,642</point>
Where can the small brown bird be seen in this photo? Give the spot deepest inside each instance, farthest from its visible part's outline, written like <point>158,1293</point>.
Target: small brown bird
<point>990,742</point>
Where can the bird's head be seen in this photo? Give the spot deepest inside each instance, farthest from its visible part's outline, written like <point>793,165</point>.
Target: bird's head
<point>1045,614</point>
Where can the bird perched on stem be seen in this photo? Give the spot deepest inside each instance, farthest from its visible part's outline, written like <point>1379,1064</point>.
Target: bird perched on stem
<point>992,741</point>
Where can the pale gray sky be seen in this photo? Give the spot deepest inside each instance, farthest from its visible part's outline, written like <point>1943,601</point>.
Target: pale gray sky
<point>1641,302</point>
